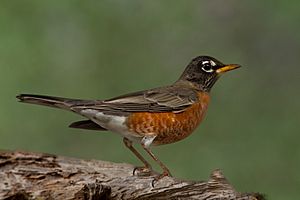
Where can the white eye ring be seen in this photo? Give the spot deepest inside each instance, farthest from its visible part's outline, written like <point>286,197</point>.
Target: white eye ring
<point>212,63</point>
<point>206,64</point>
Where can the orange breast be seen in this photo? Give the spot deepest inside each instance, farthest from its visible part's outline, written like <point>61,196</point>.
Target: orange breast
<point>169,127</point>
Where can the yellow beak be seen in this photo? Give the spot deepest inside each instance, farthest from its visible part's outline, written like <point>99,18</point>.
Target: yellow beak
<point>227,68</point>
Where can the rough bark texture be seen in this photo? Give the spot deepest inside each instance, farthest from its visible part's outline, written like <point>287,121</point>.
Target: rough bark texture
<point>25,175</point>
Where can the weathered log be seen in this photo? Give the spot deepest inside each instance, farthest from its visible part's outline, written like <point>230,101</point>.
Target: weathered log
<point>26,175</point>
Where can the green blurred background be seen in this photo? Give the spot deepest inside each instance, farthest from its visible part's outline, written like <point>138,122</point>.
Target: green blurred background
<point>100,49</point>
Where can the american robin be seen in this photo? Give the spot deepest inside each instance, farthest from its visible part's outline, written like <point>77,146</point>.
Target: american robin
<point>151,117</point>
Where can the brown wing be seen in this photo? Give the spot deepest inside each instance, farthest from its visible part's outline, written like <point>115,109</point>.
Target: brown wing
<point>166,99</point>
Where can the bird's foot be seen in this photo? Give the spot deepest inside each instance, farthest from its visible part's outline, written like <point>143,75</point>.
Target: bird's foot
<point>157,178</point>
<point>142,171</point>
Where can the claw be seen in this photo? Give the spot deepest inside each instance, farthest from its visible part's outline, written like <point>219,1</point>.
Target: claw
<point>142,171</point>
<point>157,178</point>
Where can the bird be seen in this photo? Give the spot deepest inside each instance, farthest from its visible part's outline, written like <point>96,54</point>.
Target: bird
<point>157,116</point>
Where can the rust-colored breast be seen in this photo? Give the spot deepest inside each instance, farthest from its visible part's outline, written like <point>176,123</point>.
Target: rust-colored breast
<point>169,127</point>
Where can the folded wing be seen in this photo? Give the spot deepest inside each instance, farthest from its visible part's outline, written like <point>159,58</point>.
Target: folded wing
<point>165,99</point>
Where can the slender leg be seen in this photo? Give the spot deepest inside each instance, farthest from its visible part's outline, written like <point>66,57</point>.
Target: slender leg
<point>166,171</point>
<point>146,143</point>
<point>128,144</point>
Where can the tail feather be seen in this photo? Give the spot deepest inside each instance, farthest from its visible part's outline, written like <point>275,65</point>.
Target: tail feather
<point>56,102</point>
<point>87,124</point>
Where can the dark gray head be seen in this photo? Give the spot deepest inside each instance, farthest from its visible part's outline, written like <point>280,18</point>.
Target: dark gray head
<point>204,71</point>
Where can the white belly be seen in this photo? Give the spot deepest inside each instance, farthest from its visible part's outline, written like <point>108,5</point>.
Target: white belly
<point>111,122</point>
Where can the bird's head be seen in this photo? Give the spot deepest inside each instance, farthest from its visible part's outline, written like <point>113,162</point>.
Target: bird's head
<point>204,71</point>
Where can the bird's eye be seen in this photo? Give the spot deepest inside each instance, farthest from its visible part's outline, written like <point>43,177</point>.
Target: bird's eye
<point>207,67</point>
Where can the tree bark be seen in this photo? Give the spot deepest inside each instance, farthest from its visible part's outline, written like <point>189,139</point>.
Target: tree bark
<point>26,175</point>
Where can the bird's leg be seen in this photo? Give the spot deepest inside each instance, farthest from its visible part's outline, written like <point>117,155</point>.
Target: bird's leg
<point>147,168</point>
<point>146,142</point>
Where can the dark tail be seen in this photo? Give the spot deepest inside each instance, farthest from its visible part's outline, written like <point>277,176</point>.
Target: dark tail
<point>87,124</point>
<point>56,102</point>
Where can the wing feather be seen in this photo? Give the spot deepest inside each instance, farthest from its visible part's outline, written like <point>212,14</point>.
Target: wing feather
<point>166,99</point>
